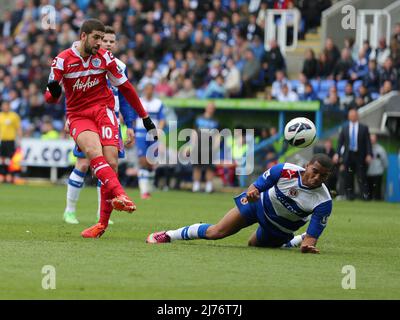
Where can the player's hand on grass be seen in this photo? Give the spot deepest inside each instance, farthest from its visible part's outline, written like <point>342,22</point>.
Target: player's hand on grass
<point>308,249</point>
<point>149,125</point>
<point>130,134</point>
<point>308,245</point>
<point>252,193</point>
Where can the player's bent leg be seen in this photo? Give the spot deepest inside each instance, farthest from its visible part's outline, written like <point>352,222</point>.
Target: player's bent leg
<point>120,201</point>
<point>89,143</point>
<point>231,223</point>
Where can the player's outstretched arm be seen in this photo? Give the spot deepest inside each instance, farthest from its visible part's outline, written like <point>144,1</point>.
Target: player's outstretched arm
<point>308,245</point>
<point>129,92</point>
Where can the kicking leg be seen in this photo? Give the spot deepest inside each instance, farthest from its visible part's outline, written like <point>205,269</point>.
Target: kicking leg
<point>230,224</point>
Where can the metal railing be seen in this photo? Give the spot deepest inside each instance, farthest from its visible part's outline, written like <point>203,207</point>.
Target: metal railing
<point>279,31</point>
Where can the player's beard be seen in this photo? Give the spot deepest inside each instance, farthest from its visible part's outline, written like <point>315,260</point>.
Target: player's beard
<point>88,49</point>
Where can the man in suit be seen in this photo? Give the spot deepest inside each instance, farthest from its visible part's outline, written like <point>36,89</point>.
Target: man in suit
<point>354,153</point>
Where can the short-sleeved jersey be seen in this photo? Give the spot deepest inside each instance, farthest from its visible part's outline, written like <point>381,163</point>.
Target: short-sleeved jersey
<point>85,80</point>
<point>288,204</point>
<point>10,122</point>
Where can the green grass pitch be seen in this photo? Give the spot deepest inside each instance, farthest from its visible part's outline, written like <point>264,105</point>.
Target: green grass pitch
<point>121,265</point>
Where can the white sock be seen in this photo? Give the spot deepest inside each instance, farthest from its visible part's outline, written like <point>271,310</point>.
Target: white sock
<point>295,242</point>
<point>209,186</point>
<point>146,180</point>
<point>196,186</point>
<point>195,231</point>
<point>75,184</point>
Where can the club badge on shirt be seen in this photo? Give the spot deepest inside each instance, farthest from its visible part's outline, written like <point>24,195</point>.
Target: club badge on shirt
<point>293,192</point>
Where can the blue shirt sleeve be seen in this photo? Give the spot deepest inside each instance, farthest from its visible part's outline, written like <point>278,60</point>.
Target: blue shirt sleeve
<point>128,113</point>
<point>319,219</point>
<point>269,178</point>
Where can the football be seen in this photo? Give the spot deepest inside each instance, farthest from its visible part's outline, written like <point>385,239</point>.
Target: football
<point>300,132</point>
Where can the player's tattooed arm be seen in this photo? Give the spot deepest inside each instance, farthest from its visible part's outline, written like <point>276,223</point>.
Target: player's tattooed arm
<point>308,245</point>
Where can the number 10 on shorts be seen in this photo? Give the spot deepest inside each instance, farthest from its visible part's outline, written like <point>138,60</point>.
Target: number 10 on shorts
<point>106,132</point>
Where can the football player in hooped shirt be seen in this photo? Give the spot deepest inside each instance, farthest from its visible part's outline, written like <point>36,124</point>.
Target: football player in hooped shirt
<point>281,201</point>
<point>84,70</point>
<point>77,176</point>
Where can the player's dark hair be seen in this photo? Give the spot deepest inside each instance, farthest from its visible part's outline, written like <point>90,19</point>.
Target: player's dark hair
<point>109,29</point>
<point>323,160</point>
<point>91,25</point>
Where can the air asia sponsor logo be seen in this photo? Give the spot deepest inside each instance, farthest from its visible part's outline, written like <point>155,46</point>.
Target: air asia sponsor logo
<point>73,65</point>
<point>80,85</point>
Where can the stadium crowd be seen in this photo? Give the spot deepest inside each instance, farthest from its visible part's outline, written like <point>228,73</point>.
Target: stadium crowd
<point>202,49</point>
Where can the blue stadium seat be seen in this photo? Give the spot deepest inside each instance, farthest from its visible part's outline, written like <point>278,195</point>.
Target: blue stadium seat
<point>294,84</point>
<point>322,95</point>
<point>341,85</point>
<point>200,93</point>
<point>325,85</point>
<point>315,85</point>
<point>356,85</point>
<point>375,95</point>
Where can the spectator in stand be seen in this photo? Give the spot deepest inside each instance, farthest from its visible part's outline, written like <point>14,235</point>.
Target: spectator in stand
<point>386,88</point>
<point>389,73</point>
<point>367,49</point>
<point>349,44</point>
<point>278,83</point>
<point>343,66</point>
<point>163,88</point>
<point>272,62</point>
<point>309,94</point>
<point>381,53</point>
<point>215,89</point>
<point>332,54</point>
<point>250,74</point>
<point>348,101</point>
<point>232,79</point>
<point>376,169</point>
<point>310,65</point>
<point>301,87</point>
<point>363,97</point>
<point>360,67</point>
<point>287,95</point>
<point>187,90</point>
<point>324,69</point>
<point>396,32</point>
<point>371,79</point>
<point>332,101</point>
<point>395,54</point>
